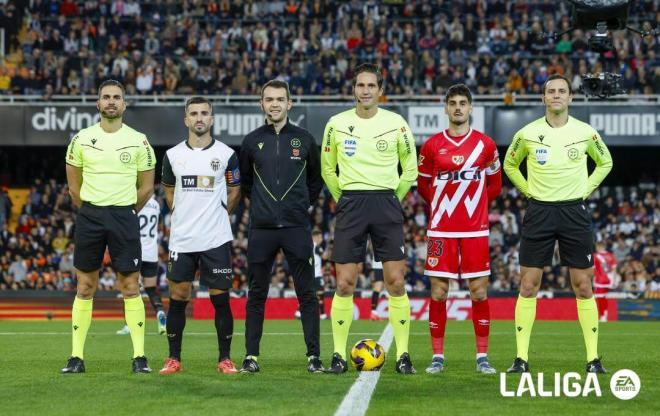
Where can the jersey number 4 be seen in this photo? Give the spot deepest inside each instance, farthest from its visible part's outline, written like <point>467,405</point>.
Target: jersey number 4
<point>148,225</point>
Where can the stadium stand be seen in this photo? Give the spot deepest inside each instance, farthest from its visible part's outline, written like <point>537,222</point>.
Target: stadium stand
<point>162,47</point>
<point>232,47</point>
<point>37,253</point>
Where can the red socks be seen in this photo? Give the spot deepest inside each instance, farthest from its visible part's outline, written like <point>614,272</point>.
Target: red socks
<point>481,323</point>
<point>437,324</point>
<point>602,306</point>
<point>601,300</point>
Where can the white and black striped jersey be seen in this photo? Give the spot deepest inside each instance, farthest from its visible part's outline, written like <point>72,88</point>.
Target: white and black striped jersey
<point>148,217</point>
<point>318,260</point>
<point>200,220</point>
<point>376,265</point>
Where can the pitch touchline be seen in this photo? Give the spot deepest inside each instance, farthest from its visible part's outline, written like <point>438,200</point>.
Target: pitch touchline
<point>187,333</point>
<point>356,401</point>
<point>467,333</point>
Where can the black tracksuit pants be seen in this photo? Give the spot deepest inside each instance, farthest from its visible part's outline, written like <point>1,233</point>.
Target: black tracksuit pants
<point>263,245</point>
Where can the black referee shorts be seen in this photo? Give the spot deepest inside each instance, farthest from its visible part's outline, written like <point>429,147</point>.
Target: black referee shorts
<point>215,268</point>
<point>361,214</point>
<point>149,269</point>
<point>115,227</point>
<point>568,222</point>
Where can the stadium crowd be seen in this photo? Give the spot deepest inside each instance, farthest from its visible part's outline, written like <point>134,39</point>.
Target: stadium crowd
<point>38,253</point>
<point>233,47</point>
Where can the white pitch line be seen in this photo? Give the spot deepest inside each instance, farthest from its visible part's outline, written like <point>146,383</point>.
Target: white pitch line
<point>356,401</point>
<point>416,334</point>
<point>185,333</point>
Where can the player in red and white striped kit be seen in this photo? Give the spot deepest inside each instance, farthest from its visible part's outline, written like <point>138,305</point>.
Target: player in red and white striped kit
<point>605,277</point>
<point>459,174</point>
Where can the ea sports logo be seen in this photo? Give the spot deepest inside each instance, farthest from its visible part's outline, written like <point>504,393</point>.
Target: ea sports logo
<point>625,384</point>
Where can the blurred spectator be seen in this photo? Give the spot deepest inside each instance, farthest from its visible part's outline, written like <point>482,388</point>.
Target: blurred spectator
<point>60,242</point>
<point>493,46</point>
<point>18,269</point>
<point>5,207</point>
<point>108,279</point>
<point>41,246</point>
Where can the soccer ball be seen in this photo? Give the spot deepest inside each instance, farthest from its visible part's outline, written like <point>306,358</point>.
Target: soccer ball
<point>367,355</point>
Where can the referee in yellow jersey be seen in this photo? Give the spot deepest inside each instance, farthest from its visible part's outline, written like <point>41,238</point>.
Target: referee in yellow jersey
<point>368,144</point>
<point>556,147</point>
<point>110,172</point>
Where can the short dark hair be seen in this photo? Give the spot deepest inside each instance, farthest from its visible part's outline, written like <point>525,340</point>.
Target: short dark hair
<point>370,68</point>
<point>316,232</point>
<point>276,83</point>
<point>458,89</point>
<point>198,100</point>
<point>112,83</point>
<point>554,77</point>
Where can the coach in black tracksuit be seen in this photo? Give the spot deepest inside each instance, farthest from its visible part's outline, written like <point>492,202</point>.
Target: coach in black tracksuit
<point>280,174</point>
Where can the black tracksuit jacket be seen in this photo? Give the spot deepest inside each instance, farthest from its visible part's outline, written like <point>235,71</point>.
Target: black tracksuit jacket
<point>281,174</point>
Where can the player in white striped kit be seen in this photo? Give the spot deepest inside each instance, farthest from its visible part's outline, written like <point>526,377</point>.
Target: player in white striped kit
<point>148,218</point>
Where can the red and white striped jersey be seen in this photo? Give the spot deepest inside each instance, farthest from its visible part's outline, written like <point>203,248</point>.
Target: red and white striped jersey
<point>458,176</point>
<point>604,269</point>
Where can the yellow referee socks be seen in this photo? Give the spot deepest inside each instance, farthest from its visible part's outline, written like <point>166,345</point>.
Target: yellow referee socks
<point>134,314</point>
<point>525,316</point>
<point>341,313</point>
<point>399,307</point>
<point>588,317</point>
<point>81,319</point>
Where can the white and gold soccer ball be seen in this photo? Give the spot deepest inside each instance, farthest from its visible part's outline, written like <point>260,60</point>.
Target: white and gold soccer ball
<point>367,355</point>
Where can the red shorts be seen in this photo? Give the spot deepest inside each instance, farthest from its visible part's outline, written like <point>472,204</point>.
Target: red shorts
<point>601,292</point>
<point>457,258</point>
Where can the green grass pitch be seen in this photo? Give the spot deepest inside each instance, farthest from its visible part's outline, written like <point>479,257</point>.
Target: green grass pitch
<point>33,353</point>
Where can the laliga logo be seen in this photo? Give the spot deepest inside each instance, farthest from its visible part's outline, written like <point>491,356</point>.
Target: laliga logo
<point>568,385</point>
<point>624,384</point>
